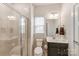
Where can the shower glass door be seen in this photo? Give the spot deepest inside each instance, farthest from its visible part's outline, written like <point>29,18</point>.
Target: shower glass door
<point>12,40</point>
<point>76,41</point>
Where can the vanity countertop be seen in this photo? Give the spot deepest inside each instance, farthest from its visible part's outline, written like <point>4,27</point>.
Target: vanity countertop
<point>50,39</point>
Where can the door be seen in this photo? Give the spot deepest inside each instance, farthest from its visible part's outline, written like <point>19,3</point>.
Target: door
<point>76,41</point>
<point>13,33</point>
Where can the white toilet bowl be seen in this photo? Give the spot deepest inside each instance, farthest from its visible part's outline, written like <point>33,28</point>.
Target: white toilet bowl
<point>38,51</point>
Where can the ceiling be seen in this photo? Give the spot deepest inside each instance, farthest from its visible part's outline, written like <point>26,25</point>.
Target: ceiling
<point>47,4</point>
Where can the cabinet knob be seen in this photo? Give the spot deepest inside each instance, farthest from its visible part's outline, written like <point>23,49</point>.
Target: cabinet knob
<point>58,49</point>
<point>64,50</point>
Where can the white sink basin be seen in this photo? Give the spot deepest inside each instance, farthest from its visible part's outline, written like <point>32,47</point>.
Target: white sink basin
<point>50,39</point>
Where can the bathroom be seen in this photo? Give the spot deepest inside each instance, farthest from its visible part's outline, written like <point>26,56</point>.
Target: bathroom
<point>39,29</point>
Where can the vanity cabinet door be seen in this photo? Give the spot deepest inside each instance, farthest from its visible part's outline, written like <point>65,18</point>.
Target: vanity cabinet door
<point>53,52</point>
<point>64,52</point>
<point>57,49</point>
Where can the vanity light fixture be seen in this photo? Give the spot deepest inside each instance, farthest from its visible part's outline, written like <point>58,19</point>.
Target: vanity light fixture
<point>53,16</point>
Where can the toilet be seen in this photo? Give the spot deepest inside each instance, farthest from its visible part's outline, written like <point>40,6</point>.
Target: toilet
<point>38,51</point>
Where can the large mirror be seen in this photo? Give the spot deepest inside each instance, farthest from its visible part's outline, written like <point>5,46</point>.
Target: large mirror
<point>52,24</point>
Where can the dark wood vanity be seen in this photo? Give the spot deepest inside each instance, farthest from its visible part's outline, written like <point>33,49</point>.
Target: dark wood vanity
<point>57,49</point>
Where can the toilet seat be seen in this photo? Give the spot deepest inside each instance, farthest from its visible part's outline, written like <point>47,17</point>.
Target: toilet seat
<point>38,51</point>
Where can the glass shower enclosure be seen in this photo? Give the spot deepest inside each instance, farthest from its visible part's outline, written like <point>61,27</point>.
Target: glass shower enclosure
<point>76,29</point>
<point>13,32</point>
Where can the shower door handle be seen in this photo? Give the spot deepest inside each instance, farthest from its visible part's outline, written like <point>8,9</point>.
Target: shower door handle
<point>76,42</point>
